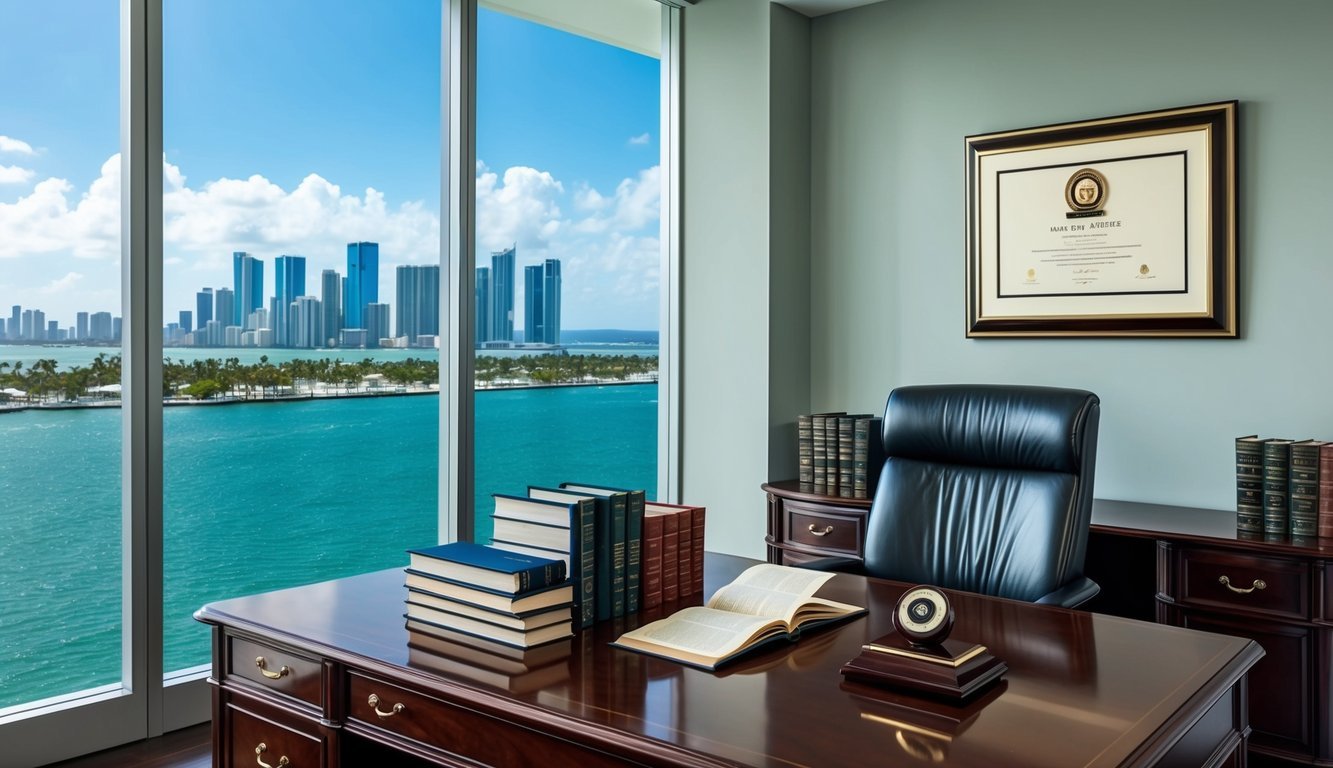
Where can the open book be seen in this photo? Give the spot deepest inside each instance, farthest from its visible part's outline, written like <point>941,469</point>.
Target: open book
<point>766,602</point>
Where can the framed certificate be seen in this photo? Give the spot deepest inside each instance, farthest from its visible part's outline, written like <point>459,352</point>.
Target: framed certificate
<point>1122,226</point>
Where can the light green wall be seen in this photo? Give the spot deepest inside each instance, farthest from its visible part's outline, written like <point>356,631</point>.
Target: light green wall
<point>896,86</point>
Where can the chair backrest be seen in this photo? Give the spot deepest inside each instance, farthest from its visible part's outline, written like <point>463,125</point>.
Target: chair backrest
<point>985,488</point>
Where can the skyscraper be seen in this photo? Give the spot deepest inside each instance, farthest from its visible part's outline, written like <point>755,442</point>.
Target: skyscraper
<point>16,322</point>
<point>308,322</point>
<point>203,308</point>
<point>551,302</point>
<point>100,326</point>
<point>25,329</point>
<point>330,299</point>
<point>418,298</point>
<point>533,315</point>
<point>482,300</point>
<point>288,283</point>
<point>502,295</point>
<point>363,283</point>
<point>377,323</point>
<point>248,284</point>
<point>224,305</point>
<point>186,318</point>
<point>39,325</point>
<point>81,326</point>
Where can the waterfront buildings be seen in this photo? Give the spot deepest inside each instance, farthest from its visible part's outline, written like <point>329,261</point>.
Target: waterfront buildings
<point>541,303</point>
<point>502,295</point>
<point>418,297</point>
<point>247,285</point>
<point>288,283</point>
<point>362,285</point>
<point>482,305</point>
<point>330,298</point>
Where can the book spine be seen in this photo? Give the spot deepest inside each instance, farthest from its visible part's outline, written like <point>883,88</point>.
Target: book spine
<point>586,588</point>
<point>805,452</point>
<point>634,549</point>
<point>831,456</point>
<point>1326,490</point>
<point>1277,456</point>
<point>846,429</point>
<point>818,452</point>
<point>1303,489</point>
<point>697,550</point>
<point>652,560</point>
<point>670,556</point>
<point>618,554</point>
<point>685,548</point>
<point>602,555</point>
<point>1249,483</point>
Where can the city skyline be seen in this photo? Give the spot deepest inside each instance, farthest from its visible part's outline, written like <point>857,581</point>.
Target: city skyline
<point>285,170</point>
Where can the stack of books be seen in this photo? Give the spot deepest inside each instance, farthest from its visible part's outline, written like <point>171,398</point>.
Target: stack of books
<point>839,454</point>
<point>1284,487</point>
<point>619,559</point>
<point>517,670</point>
<point>501,596</point>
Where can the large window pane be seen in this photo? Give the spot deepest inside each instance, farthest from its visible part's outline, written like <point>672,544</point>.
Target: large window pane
<point>301,295</point>
<point>60,434</point>
<point>568,248</point>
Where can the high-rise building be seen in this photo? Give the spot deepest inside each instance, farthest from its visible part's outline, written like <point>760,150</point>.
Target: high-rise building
<point>533,315</point>
<point>502,295</point>
<point>39,325</point>
<point>186,319</point>
<point>354,338</point>
<point>482,299</point>
<point>258,319</point>
<point>52,330</point>
<point>418,298</point>
<point>309,322</point>
<point>25,329</point>
<point>100,327</point>
<point>377,323</point>
<point>363,282</point>
<point>551,302</point>
<point>224,304</point>
<point>115,329</point>
<point>80,326</point>
<point>247,284</point>
<point>330,300</point>
<point>288,282</point>
<point>203,308</point>
<point>16,322</point>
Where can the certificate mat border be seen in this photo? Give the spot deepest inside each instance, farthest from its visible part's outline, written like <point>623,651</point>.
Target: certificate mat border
<point>1219,319</point>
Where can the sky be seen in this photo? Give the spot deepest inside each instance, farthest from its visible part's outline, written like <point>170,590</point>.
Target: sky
<point>297,127</point>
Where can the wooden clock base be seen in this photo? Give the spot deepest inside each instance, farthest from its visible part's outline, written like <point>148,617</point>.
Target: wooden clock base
<point>952,669</point>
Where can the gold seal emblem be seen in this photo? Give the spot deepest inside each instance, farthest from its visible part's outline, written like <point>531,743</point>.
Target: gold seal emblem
<point>1143,269</point>
<point>1032,274</point>
<point>1086,192</point>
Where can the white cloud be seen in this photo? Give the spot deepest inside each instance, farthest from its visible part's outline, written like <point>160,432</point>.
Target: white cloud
<point>62,284</point>
<point>12,174</point>
<point>523,208</point>
<point>635,204</point>
<point>14,145</point>
<point>642,138</point>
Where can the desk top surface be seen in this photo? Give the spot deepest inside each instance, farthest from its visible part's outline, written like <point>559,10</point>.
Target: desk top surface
<point>1082,689</point>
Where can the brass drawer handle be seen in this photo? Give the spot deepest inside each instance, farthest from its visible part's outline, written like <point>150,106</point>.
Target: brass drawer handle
<point>259,757</point>
<point>262,663</point>
<point>374,702</point>
<point>827,530</point>
<point>1258,584</point>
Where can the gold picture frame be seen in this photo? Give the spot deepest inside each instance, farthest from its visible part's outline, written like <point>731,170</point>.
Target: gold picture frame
<point>1119,226</point>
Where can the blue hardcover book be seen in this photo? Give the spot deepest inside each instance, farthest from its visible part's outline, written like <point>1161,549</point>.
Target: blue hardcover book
<point>583,548</point>
<point>488,567</point>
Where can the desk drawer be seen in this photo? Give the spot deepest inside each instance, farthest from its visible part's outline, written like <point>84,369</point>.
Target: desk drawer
<point>824,528</point>
<point>1268,585</point>
<point>458,731</point>
<point>276,670</point>
<point>253,740</point>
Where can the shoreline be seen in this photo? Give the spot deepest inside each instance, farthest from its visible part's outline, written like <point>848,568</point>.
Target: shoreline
<point>323,392</point>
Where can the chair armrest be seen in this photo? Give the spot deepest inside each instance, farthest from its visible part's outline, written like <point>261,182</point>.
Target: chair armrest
<point>837,564</point>
<point>1073,594</point>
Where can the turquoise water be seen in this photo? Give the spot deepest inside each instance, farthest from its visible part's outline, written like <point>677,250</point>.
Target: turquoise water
<point>258,497</point>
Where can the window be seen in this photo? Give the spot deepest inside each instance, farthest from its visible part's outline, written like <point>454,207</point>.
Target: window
<point>568,250</point>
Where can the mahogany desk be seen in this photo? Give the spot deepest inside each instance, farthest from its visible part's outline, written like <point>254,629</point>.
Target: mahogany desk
<point>1082,690</point>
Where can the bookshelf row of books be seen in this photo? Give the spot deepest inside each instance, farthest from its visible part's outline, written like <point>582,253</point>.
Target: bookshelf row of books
<point>1284,487</point>
<point>839,454</point>
<point>623,552</point>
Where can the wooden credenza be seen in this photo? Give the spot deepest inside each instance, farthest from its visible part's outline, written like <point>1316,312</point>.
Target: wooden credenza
<point>1182,566</point>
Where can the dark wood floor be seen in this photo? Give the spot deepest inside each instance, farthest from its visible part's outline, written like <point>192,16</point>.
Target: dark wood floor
<point>186,748</point>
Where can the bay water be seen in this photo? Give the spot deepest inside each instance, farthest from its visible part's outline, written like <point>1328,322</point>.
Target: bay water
<point>262,496</point>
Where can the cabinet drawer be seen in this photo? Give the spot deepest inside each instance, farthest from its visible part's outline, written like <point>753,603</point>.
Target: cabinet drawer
<point>824,528</point>
<point>276,670</point>
<point>457,731</point>
<point>1268,585</point>
<point>253,740</point>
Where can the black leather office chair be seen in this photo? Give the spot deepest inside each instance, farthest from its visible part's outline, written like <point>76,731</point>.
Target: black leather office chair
<point>986,488</point>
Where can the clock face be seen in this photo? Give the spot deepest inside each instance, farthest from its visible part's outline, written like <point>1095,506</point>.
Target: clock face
<point>923,615</point>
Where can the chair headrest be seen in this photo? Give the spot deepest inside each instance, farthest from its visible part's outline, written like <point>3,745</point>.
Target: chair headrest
<point>997,425</point>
